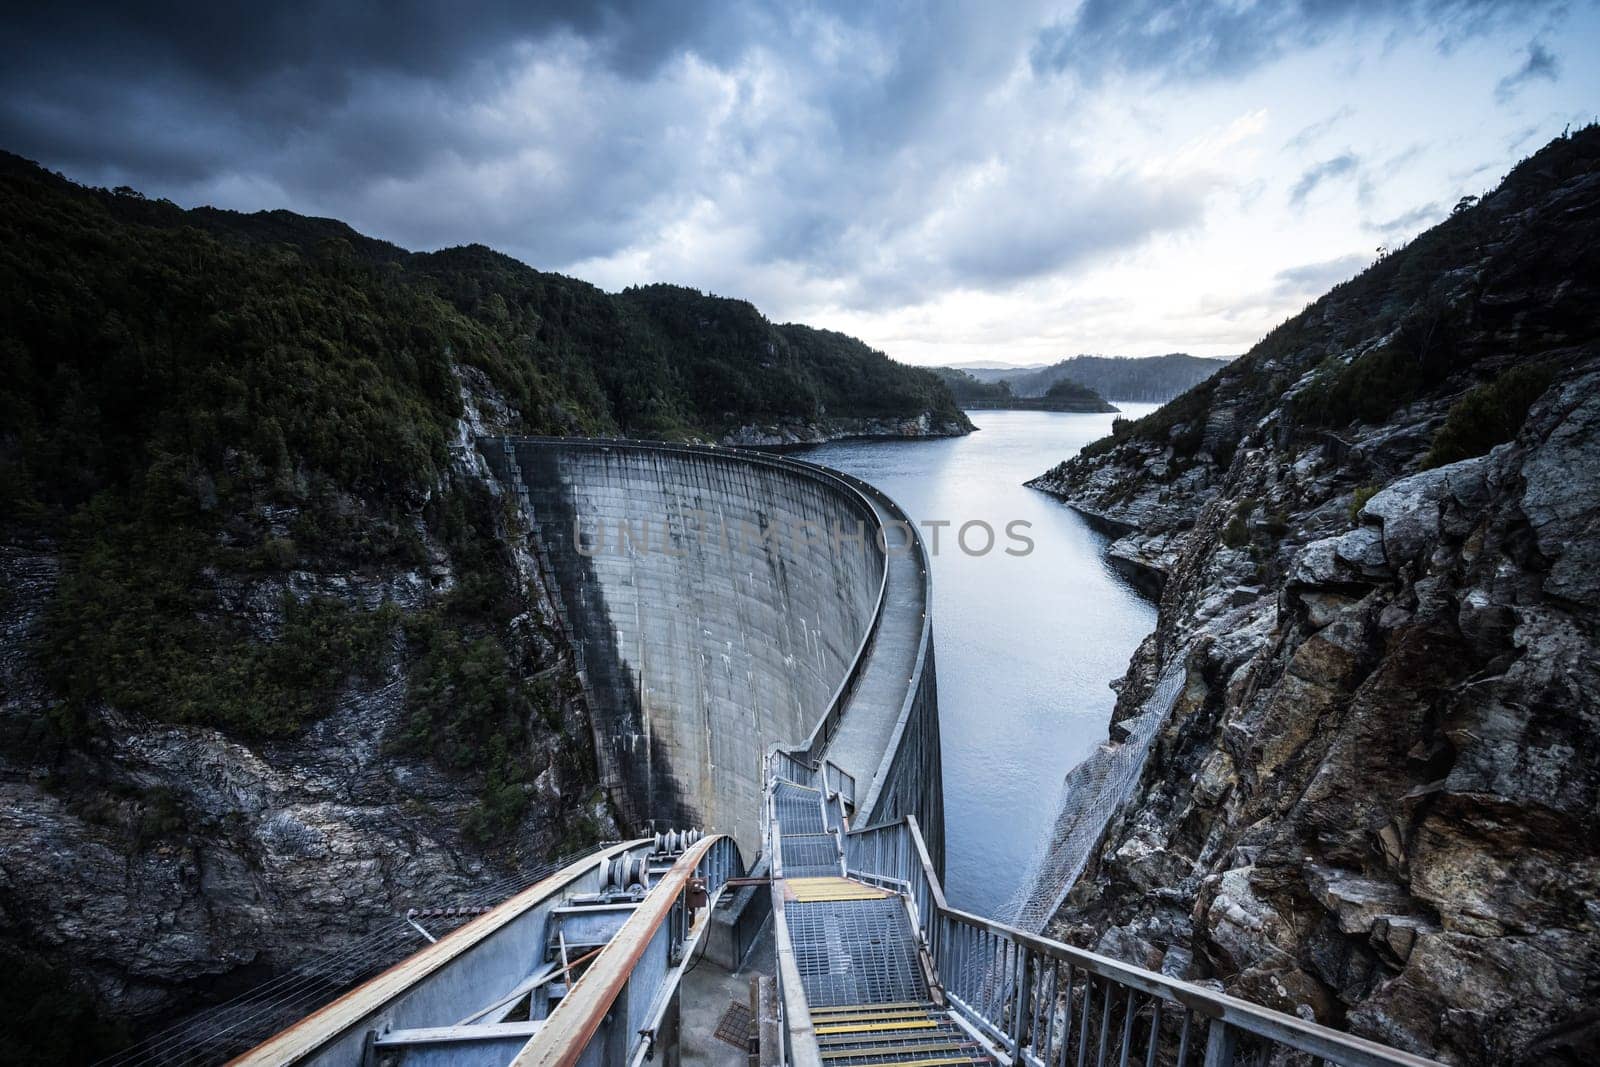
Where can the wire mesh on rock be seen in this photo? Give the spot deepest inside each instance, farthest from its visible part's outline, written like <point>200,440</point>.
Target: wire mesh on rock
<point>1090,794</point>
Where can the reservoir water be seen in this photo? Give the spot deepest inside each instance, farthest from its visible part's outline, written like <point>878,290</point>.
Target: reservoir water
<point>1026,644</point>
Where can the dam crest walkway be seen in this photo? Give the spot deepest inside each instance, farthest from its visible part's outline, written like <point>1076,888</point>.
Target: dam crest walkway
<point>900,642</point>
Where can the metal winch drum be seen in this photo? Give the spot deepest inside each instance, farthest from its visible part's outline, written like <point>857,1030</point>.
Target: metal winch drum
<point>675,841</point>
<point>621,873</point>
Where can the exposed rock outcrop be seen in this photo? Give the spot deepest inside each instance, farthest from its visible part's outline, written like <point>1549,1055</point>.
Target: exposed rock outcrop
<point>1374,802</point>
<point>160,864</point>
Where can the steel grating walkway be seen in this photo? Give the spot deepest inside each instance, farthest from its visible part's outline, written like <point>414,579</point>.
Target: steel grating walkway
<point>811,855</point>
<point>799,809</point>
<point>856,951</point>
<point>858,955</point>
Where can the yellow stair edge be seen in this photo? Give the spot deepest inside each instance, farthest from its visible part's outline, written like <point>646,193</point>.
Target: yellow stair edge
<point>920,1005</point>
<point>874,1028</point>
<point>923,1028</point>
<point>827,888</point>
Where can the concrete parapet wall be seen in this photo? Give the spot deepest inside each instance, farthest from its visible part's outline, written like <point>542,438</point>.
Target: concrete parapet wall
<point>913,761</point>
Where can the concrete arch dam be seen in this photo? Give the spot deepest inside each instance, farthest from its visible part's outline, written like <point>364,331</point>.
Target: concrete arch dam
<point>722,602</point>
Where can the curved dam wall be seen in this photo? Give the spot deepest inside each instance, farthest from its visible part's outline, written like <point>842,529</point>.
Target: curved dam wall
<point>720,602</point>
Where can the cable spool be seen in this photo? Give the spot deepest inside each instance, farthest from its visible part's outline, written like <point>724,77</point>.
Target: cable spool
<point>623,872</point>
<point>671,842</point>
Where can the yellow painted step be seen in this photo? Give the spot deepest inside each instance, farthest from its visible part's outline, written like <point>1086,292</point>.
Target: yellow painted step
<point>873,1028</point>
<point>930,1030</point>
<point>822,889</point>
<point>920,1005</point>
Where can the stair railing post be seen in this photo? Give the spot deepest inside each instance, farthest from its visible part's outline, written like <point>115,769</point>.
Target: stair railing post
<point>1220,1044</point>
<point>1019,1012</point>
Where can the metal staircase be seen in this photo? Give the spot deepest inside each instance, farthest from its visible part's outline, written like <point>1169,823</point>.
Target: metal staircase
<point>865,979</point>
<point>911,1034</point>
<point>586,968</point>
<point>875,967</point>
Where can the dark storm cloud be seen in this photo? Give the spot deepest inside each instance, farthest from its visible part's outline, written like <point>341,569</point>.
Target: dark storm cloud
<point>828,139</point>
<point>880,156</point>
<point>205,82</point>
<point>381,113</point>
<point>233,46</point>
<point>1205,38</point>
<point>1540,64</point>
<point>1337,167</point>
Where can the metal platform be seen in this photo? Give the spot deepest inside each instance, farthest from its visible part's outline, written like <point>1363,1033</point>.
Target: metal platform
<point>856,952</point>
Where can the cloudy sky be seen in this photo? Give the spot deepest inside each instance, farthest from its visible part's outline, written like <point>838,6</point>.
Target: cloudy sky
<point>1015,182</point>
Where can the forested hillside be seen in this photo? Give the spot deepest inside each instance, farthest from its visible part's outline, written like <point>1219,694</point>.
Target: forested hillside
<point>1063,395</point>
<point>263,618</point>
<point>966,387</point>
<point>1148,379</point>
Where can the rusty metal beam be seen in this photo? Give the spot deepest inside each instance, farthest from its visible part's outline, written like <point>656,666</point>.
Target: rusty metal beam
<point>323,1026</point>
<point>576,1020</point>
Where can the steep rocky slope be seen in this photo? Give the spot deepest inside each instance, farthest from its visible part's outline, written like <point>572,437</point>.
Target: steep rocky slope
<point>1376,539</point>
<point>150,867</point>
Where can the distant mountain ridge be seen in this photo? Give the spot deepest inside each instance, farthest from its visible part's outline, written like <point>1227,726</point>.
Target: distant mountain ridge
<point>1064,395</point>
<point>1148,379</point>
<point>999,365</point>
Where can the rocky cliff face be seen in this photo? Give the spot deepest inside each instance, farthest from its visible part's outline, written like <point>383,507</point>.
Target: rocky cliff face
<point>1374,802</point>
<point>161,866</point>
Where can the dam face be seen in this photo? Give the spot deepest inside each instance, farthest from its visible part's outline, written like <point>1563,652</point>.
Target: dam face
<point>721,602</point>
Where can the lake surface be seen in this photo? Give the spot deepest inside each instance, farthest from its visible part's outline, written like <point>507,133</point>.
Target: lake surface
<point>1026,644</point>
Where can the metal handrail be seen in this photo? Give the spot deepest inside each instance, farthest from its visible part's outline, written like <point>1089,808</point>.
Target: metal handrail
<point>579,1018</point>
<point>837,780</point>
<point>1049,1003</point>
<point>794,1016</point>
<point>718,864</point>
<point>358,1009</point>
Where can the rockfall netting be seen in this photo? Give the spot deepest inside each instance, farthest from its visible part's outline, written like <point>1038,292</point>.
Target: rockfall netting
<point>1090,794</point>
